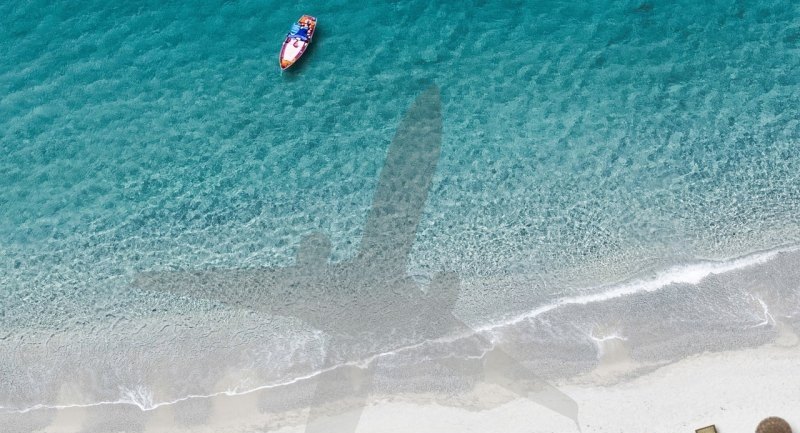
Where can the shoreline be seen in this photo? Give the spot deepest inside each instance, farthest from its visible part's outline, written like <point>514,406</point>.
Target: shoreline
<point>620,354</point>
<point>687,281</point>
<point>732,389</point>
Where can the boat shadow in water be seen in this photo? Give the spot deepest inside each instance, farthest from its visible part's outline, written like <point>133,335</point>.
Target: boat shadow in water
<point>370,295</point>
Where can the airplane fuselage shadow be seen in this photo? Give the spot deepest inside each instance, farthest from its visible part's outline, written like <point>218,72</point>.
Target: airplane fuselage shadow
<point>371,296</point>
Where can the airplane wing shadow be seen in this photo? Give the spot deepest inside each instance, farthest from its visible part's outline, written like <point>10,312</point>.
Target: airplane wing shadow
<point>389,235</point>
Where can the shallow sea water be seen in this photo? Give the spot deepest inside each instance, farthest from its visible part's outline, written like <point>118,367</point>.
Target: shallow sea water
<point>584,145</point>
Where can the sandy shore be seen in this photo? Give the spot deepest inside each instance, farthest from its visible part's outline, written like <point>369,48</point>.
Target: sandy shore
<point>733,389</point>
<point>711,342</point>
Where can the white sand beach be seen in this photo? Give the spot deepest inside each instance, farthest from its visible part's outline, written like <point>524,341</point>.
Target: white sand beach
<point>733,390</point>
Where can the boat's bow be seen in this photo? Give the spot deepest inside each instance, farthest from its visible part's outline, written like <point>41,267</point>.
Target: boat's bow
<point>291,51</point>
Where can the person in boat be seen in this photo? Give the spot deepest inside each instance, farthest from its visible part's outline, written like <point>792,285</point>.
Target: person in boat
<point>299,32</point>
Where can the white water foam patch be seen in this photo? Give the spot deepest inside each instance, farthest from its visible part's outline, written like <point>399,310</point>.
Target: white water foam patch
<point>138,396</point>
<point>691,274</point>
<point>686,274</point>
<point>769,319</point>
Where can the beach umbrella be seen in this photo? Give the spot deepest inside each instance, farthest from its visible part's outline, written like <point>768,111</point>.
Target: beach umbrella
<point>773,424</point>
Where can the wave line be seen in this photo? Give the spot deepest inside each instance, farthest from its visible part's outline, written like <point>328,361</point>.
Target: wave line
<point>685,274</point>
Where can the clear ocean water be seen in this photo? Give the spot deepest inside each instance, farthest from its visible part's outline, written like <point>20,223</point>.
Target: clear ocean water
<point>585,144</point>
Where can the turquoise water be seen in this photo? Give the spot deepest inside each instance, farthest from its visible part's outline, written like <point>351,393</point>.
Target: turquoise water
<point>584,144</point>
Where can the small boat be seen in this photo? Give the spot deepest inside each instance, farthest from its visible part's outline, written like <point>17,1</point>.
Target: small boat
<point>297,40</point>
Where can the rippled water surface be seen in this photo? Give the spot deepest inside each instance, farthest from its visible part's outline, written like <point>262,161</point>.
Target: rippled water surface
<point>583,144</point>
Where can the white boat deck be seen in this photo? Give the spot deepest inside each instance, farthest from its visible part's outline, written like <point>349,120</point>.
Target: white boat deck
<point>293,50</point>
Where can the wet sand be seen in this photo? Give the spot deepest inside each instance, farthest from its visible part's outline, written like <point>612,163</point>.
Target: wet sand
<point>732,389</point>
